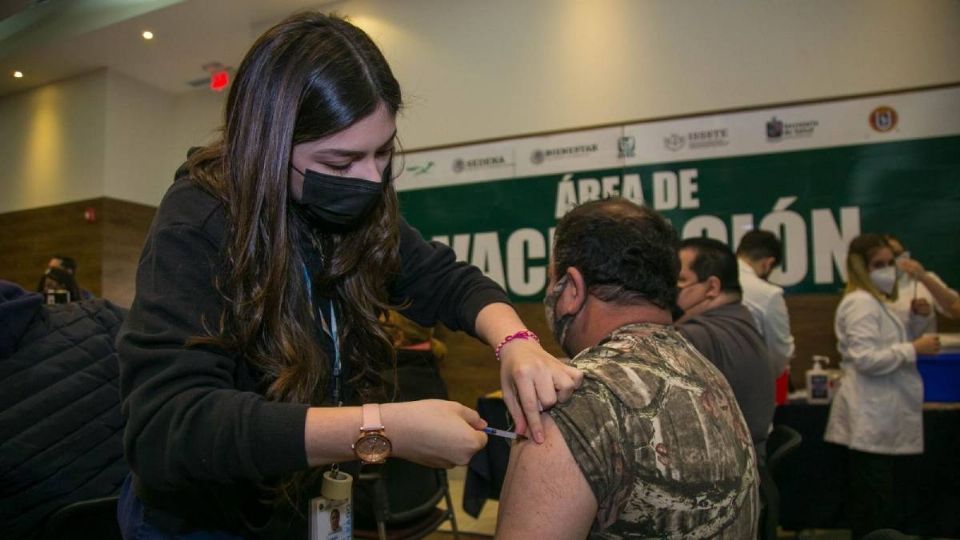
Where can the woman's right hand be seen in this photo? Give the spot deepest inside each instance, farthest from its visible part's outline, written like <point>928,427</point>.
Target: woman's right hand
<point>927,344</point>
<point>433,432</point>
<point>911,267</point>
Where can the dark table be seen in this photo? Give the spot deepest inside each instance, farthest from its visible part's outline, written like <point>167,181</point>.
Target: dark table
<point>487,467</point>
<point>813,479</point>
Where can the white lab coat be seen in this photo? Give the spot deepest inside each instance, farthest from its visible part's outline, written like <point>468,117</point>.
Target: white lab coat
<point>765,302</point>
<point>879,406</point>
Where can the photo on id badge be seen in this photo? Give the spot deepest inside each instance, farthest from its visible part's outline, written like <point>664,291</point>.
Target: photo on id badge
<point>330,520</point>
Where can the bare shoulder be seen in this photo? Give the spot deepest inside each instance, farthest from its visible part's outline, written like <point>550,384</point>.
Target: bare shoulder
<point>545,494</point>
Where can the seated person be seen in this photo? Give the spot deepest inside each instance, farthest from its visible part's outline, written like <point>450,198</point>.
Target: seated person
<point>722,329</point>
<point>758,254</point>
<point>68,265</point>
<point>59,407</point>
<point>58,280</point>
<point>407,335</point>
<point>652,445</point>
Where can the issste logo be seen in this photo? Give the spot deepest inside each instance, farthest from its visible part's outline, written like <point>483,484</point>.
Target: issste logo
<point>883,118</point>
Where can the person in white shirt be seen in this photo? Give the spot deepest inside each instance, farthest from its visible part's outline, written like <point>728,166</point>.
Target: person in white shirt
<point>758,254</point>
<point>878,411</point>
<point>919,293</point>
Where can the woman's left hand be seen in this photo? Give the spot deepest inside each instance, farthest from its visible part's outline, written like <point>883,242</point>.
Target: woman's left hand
<point>534,381</point>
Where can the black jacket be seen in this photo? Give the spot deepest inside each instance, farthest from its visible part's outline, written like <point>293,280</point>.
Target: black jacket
<point>200,435</point>
<point>60,423</point>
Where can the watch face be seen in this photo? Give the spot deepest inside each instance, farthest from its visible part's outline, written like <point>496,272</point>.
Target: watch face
<point>373,448</point>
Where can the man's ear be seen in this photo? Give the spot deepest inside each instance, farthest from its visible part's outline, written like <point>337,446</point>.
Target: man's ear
<point>769,263</point>
<point>714,287</point>
<point>574,294</point>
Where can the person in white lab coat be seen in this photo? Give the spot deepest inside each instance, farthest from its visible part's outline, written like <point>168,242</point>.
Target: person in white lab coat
<point>919,293</point>
<point>758,254</point>
<point>878,410</point>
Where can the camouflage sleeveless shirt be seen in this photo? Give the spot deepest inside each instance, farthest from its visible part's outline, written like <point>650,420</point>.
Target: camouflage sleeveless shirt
<point>657,433</point>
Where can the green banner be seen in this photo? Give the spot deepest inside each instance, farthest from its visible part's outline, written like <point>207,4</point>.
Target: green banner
<point>817,200</point>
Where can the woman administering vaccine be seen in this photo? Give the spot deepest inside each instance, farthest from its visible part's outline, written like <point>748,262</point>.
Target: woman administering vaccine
<point>258,295</point>
<point>878,410</point>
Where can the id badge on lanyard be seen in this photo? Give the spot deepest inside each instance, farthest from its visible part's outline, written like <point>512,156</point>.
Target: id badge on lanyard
<point>331,514</point>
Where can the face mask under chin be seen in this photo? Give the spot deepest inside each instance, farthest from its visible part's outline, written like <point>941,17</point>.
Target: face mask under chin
<point>678,311</point>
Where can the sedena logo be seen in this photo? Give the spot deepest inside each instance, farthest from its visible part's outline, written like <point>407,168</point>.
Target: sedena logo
<point>459,165</point>
<point>883,119</point>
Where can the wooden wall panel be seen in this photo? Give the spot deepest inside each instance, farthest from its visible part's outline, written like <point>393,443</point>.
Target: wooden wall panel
<point>28,238</point>
<point>125,227</point>
<point>470,368</point>
<point>811,320</point>
<point>106,249</point>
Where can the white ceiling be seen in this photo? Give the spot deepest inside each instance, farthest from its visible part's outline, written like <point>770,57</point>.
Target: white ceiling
<point>49,40</point>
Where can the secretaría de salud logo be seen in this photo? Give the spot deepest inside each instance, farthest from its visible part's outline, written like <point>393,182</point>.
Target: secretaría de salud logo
<point>778,130</point>
<point>883,118</point>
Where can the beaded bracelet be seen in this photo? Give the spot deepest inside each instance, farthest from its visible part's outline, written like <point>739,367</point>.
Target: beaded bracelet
<point>522,334</point>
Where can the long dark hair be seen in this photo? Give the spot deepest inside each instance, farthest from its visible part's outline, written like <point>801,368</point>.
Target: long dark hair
<point>309,76</point>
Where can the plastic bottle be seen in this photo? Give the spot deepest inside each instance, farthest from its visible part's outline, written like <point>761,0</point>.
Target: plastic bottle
<point>818,381</point>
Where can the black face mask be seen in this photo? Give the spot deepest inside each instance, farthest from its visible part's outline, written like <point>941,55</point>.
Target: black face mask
<point>562,325</point>
<point>339,202</point>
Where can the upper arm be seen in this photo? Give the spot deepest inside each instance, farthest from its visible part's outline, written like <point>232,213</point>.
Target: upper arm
<point>545,494</point>
<point>438,286</point>
<point>776,333</point>
<point>778,319</point>
<point>173,393</point>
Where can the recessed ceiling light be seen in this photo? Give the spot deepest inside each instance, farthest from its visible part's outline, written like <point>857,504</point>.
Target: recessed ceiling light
<point>18,74</point>
<point>147,34</point>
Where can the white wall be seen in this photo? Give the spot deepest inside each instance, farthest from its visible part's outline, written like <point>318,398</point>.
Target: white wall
<point>137,145</point>
<point>475,70</point>
<point>148,134</point>
<point>498,68</point>
<point>51,143</point>
<point>99,134</point>
<point>198,117</point>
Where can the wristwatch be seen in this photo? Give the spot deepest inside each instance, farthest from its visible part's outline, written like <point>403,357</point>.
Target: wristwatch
<point>372,445</point>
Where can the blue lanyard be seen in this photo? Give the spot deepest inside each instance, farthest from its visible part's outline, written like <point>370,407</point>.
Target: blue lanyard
<point>337,366</point>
